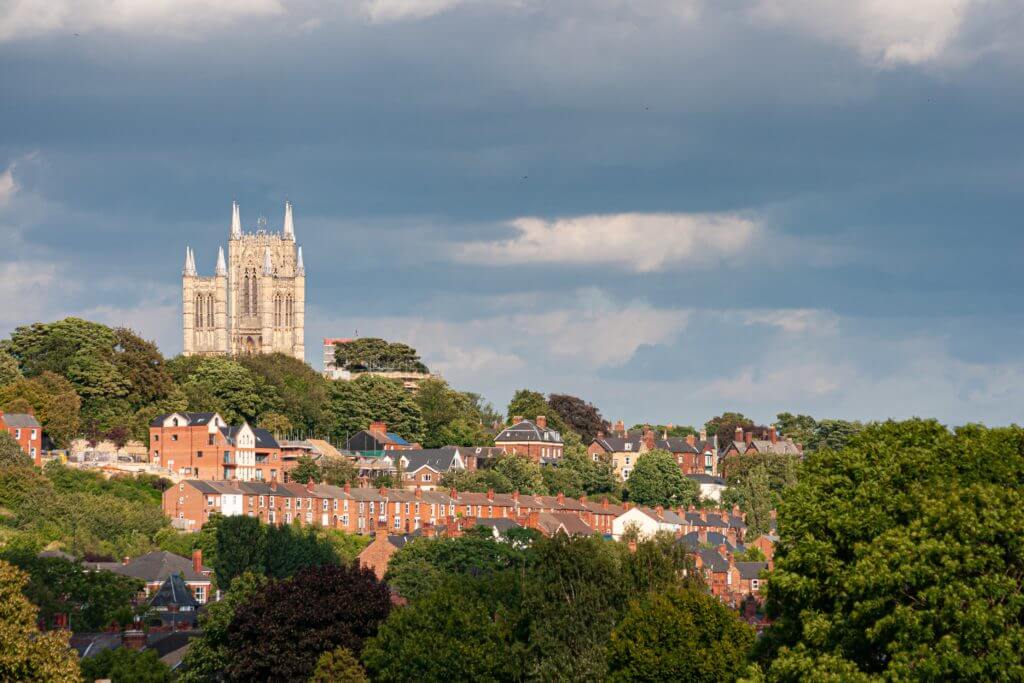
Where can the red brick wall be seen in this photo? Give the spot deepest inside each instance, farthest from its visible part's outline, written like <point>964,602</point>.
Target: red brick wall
<point>23,435</point>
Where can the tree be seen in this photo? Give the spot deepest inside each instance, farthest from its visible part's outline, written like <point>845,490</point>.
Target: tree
<point>800,428</point>
<point>562,480</point>
<point>370,353</point>
<point>780,468</point>
<point>207,656</point>
<point>657,480</point>
<point>582,417</point>
<point>835,434</point>
<point>241,547</point>
<point>595,476</point>
<point>679,635</point>
<point>449,417</point>
<point>224,385</point>
<point>355,404</point>
<point>522,473</point>
<point>724,426</point>
<point>53,400</point>
<point>755,499</point>
<point>9,370</point>
<point>280,633</point>
<point>529,404</point>
<point>276,423</point>
<point>338,666</point>
<point>118,435</point>
<point>292,548</point>
<point>477,481</point>
<point>305,471</point>
<point>900,561</point>
<point>338,471</point>
<point>303,391</point>
<point>25,653</point>
<point>449,634</point>
<point>11,454</point>
<point>423,565</point>
<point>124,665</point>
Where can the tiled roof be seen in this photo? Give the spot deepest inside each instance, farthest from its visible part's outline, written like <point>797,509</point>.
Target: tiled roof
<point>553,522</point>
<point>713,560</point>
<point>19,420</point>
<point>155,566</point>
<point>751,570</point>
<point>173,592</point>
<point>502,524</point>
<point>706,479</point>
<point>438,459</point>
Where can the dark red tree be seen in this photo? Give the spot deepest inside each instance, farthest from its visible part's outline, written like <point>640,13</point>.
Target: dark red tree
<point>283,630</point>
<point>584,418</point>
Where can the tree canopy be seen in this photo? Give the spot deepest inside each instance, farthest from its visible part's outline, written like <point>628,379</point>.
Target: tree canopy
<point>371,353</point>
<point>11,454</point>
<point>451,417</point>
<point>355,404</point>
<point>657,480</point>
<point>124,665</point>
<point>582,417</point>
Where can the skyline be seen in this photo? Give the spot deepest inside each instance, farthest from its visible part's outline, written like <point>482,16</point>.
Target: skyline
<point>669,209</point>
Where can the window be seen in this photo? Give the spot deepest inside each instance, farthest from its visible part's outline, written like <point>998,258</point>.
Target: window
<point>398,522</point>
<point>262,502</point>
<point>754,583</point>
<point>426,477</point>
<point>272,501</point>
<point>629,446</point>
<point>344,520</point>
<point>156,437</point>
<point>298,503</point>
<point>174,437</point>
<point>210,440</point>
<point>371,507</point>
<point>344,506</point>
<point>327,504</point>
<point>156,455</point>
<point>361,507</point>
<point>181,500</point>
<point>271,517</point>
<point>174,422</point>
<point>287,503</point>
<point>199,454</point>
<point>17,433</point>
<point>627,459</point>
<point>288,518</point>
<point>335,504</point>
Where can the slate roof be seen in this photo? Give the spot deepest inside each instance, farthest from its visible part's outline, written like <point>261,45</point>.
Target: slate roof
<point>20,420</point>
<point>528,431</point>
<point>193,419</point>
<point>478,451</point>
<point>751,570</point>
<point>438,459</point>
<point>155,566</point>
<point>782,446</point>
<point>713,561</point>
<point>173,592</point>
<point>714,539</point>
<point>60,554</point>
<point>264,439</point>
<point>502,524</point>
<point>553,522</point>
<point>706,479</point>
<point>667,516</point>
<point>617,444</point>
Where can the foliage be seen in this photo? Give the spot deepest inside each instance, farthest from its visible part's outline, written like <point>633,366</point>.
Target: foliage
<point>346,546</point>
<point>751,553</point>
<point>903,558</point>
<point>522,473</point>
<point>338,666</point>
<point>724,426</point>
<point>657,480</point>
<point>224,385</point>
<point>338,471</point>
<point>450,634</point>
<point>280,633</point>
<point>305,471</point>
<point>355,404</point>
<point>582,417</point>
<point>207,655</point>
<point>450,417</point>
<point>11,454</point>
<point>303,392</point>
<point>244,544</point>
<point>277,424</point>
<point>814,434</point>
<point>670,430</point>
<point>678,635</point>
<point>52,399</point>
<point>747,490</point>
<point>241,548</point>
<point>124,665</point>
<point>371,353</point>
<point>595,476</point>
<point>562,480</point>
<point>25,653</point>
<point>754,496</point>
<point>477,481</point>
<point>92,600</point>
<point>9,370</point>
<point>529,404</point>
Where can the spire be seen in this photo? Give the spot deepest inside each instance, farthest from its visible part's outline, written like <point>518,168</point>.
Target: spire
<point>289,225</point>
<point>222,268</point>
<point>268,265</point>
<point>300,268</point>
<point>236,221</point>
<point>190,262</point>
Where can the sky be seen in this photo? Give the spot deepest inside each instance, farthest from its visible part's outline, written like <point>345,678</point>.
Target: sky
<point>670,208</point>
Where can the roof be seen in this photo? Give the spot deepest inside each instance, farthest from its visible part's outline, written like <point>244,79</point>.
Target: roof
<point>551,523</point>
<point>478,451</point>
<point>712,539</point>
<point>437,459</point>
<point>713,561</point>
<point>155,566</point>
<point>706,479</point>
<point>57,554</point>
<point>528,431</point>
<point>19,420</point>
<point>325,448</point>
<point>751,570</point>
<point>781,446</point>
<point>173,592</point>
<point>617,444</point>
<point>192,419</point>
<point>502,524</point>
<point>667,516</point>
<point>264,439</point>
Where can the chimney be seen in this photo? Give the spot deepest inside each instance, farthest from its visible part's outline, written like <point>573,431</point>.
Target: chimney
<point>490,494</point>
<point>773,434</point>
<point>428,530</point>
<point>703,435</point>
<point>515,495</point>
<point>604,503</point>
<point>748,437</point>
<point>723,550</point>
<point>600,432</point>
<point>197,561</point>
<point>620,428</point>
<point>561,498</point>
<point>348,487</point>
<point>542,421</point>
<point>452,493</point>
<point>516,419</point>
<point>649,438</point>
<point>691,439</point>
<point>379,426</point>
<point>384,491</point>
<point>735,510</point>
<point>583,500</point>
<point>309,486</point>
<point>704,514</point>
<point>660,511</point>
<point>627,505</point>
<point>133,639</point>
<point>125,560</point>
<point>273,484</point>
<point>739,434</point>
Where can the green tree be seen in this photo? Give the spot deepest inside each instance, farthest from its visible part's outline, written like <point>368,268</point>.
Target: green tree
<point>25,653</point>
<point>679,635</point>
<point>241,547</point>
<point>835,434</point>
<point>292,548</point>
<point>370,353</point>
<point>562,480</point>
<point>671,430</point>
<point>53,400</point>
<point>207,656</point>
<point>477,481</point>
<point>900,559</point>
<point>338,471</point>
<point>449,417</point>
<point>754,496</point>
<point>657,480</point>
<point>523,474</point>
<point>737,469</point>
<point>11,454</point>
<point>305,470</point>
<point>277,424</point>
<point>724,426</point>
<point>124,665</point>
<point>595,476</point>
<point>303,392</point>
<point>449,634</point>
<point>9,370</point>
<point>338,666</point>
<point>355,404</point>
<point>800,428</point>
<point>529,404</point>
<point>224,385</point>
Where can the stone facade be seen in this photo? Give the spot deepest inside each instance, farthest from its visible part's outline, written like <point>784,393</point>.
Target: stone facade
<point>256,300</point>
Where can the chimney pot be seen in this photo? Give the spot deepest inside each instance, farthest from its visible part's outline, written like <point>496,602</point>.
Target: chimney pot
<point>378,426</point>
<point>383,490</point>
<point>452,493</point>
<point>660,511</point>
<point>703,435</point>
<point>739,433</point>
<point>691,439</point>
<point>197,560</point>
<point>516,419</point>
<point>490,494</point>
<point>748,437</point>
<point>561,498</point>
<point>773,434</point>
<point>348,487</point>
<point>542,421</point>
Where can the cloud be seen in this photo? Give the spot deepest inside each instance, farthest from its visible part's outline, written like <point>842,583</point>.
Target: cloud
<point>184,18</point>
<point>885,32</point>
<point>641,242</point>
<point>7,185</point>
<point>406,10</point>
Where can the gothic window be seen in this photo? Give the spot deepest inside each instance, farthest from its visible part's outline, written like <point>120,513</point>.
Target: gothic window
<point>209,310</point>
<point>277,310</point>
<point>198,313</point>
<point>254,306</point>
<point>291,318</point>
<point>245,293</point>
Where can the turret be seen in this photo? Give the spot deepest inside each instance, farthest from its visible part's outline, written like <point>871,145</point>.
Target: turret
<point>268,264</point>
<point>222,266</point>
<point>220,304</point>
<point>299,309</point>
<point>300,268</point>
<point>236,222</point>
<point>190,263</point>
<point>289,224</point>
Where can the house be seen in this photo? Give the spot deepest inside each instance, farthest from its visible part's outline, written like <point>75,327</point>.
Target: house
<point>711,486</point>
<point>625,448</point>
<point>498,526</point>
<point>204,446</point>
<point>719,572</point>
<point>744,443</point>
<point>174,604</point>
<point>377,555</point>
<point>534,440</point>
<point>646,521</point>
<point>154,568</point>
<point>424,468</point>
<point>25,429</point>
<point>599,515</point>
<point>622,451</point>
<point>551,523</point>
<point>766,544</point>
<point>475,455</point>
<point>377,439</point>
<point>750,577</point>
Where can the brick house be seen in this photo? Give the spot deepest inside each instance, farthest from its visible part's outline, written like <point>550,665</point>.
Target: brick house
<point>377,439</point>
<point>204,446</point>
<point>534,440</point>
<point>26,430</point>
<point>744,443</point>
<point>623,450</point>
<point>377,555</point>
<point>154,568</point>
<point>424,468</point>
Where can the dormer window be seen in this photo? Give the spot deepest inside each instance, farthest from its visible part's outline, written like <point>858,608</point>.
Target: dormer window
<point>629,446</point>
<point>174,422</point>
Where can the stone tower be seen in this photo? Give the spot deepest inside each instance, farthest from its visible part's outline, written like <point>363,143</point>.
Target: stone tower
<point>255,301</point>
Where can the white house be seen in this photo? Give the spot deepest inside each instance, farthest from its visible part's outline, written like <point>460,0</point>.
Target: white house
<point>647,522</point>
<point>711,487</point>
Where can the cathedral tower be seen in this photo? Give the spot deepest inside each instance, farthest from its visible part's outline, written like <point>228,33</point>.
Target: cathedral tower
<point>255,302</point>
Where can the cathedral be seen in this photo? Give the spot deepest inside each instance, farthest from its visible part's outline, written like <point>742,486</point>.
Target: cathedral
<point>255,300</point>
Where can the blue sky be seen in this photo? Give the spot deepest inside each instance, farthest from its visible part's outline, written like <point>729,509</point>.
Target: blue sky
<point>669,207</point>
